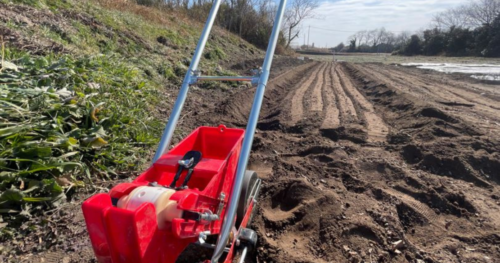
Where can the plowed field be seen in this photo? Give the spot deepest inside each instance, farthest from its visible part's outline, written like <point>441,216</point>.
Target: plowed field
<point>365,163</point>
<point>357,157</point>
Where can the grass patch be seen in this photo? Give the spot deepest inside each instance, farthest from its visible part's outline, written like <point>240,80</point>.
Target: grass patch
<point>215,54</point>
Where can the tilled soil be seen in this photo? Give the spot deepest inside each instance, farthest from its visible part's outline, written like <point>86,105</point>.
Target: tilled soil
<point>364,163</point>
<point>374,163</point>
<point>398,166</point>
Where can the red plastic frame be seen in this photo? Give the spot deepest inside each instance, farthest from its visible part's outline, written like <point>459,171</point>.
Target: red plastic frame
<point>124,236</point>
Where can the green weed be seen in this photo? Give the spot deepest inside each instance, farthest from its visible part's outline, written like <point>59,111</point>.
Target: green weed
<point>66,120</point>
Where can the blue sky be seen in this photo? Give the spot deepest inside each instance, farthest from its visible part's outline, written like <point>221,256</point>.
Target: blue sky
<point>345,17</point>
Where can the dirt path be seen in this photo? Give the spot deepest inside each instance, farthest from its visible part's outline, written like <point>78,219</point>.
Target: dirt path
<point>366,163</point>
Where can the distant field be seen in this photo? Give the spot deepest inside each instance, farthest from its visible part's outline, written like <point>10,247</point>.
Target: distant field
<point>388,59</point>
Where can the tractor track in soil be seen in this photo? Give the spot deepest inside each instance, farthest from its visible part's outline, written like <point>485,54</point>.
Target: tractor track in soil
<point>355,157</point>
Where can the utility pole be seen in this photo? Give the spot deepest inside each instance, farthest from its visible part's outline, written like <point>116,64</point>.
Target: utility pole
<point>308,34</point>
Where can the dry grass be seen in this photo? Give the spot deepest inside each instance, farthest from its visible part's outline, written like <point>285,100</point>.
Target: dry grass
<point>158,16</point>
<point>151,14</point>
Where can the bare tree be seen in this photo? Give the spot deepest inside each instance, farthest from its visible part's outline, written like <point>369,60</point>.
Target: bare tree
<point>455,17</point>
<point>298,11</point>
<point>483,12</point>
<point>377,40</point>
<point>369,37</point>
<point>389,38</point>
<point>361,36</point>
<point>378,36</point>
<point>471,15</point>
<point>402,38</point>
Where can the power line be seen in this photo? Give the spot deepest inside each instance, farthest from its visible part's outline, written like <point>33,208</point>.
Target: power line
<point>344,31</point>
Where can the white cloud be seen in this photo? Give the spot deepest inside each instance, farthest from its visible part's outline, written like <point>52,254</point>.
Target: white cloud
<point>350,16</point>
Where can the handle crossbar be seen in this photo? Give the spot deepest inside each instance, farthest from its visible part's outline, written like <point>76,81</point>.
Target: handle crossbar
<point>224,78</point>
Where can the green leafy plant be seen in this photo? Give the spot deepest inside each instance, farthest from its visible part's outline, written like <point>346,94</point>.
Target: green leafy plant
<point>64,121</point>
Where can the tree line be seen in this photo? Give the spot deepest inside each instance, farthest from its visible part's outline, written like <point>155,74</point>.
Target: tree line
<point>472,29</point>
<point>252,20</point>
<point>374,41</point>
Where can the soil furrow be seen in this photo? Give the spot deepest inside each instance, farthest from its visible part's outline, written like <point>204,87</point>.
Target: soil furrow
<point>236,108</point>
<point>376,128</point>
<point>346,106</point>
<point>297,105</point>
<point>316,98</point>
<point>433,78</point>
<point>484,109</point>
<point>458,93</point>
<point>331,110</point>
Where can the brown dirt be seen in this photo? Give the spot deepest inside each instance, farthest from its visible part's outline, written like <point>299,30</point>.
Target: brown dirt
<point>356,157</point>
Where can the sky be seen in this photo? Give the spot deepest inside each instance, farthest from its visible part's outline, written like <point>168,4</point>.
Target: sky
<point>343,18</point>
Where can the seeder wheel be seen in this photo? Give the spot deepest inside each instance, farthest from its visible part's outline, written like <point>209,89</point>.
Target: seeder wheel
<point>249,182</point>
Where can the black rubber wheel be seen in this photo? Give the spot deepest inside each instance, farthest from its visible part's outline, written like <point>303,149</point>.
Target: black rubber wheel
<point>246,189</point>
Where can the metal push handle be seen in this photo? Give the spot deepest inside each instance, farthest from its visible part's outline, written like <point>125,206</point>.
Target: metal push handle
<point>252,122</point>
<point>166,138</point>
<point>249,134</point>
